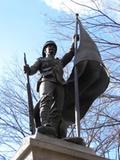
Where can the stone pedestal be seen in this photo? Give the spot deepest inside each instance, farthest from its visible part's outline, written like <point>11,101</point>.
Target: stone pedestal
<point>41,147</point>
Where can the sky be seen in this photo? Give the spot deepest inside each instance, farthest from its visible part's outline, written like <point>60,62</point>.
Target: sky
<point>22,29</point>
<point>24,26</point>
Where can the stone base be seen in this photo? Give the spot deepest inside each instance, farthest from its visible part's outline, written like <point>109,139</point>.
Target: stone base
<point>42,147</point>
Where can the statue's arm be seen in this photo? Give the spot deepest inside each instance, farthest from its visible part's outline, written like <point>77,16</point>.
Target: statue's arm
<point>68,56</point>
<point>32,69</point>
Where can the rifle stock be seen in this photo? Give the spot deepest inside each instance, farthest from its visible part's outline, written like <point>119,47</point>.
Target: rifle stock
<point>30,102</point>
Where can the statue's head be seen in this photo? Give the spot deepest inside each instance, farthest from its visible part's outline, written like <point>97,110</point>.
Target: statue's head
<point>51,46</point>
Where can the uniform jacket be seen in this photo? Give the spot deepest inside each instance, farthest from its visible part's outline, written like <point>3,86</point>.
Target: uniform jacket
<point>51,69</point>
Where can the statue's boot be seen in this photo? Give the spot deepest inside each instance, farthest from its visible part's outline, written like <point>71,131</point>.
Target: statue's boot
<point>59,132</point>
<point>62,129</point>
<point>53,126</point>
<point>47,130</point>
<point>49,121</point>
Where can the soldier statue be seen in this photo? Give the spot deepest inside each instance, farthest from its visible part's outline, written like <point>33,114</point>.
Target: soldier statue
<point>50,87</point>
<point>57,97</point>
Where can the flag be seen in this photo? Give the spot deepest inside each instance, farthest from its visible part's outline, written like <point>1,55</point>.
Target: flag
<point>92,77</point>
<point>87,49</point>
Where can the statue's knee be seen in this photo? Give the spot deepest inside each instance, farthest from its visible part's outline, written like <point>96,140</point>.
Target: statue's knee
<point>45,100</point>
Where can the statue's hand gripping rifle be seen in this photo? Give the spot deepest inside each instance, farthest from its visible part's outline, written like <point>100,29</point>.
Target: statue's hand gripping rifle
<point>30,102</point>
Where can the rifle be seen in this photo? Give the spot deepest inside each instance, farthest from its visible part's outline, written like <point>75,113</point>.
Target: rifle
<point>30,102</point>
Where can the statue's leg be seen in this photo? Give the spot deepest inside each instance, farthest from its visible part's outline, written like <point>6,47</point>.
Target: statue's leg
<point>46,100</point>
<point>51,105</point>
<point>47,90</point>
<point>55,116</point>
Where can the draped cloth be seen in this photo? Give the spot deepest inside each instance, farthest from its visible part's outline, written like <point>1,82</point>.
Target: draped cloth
<point>93,78</point>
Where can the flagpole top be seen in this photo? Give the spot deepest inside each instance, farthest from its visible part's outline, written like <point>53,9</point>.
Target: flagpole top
<point>77,14</point>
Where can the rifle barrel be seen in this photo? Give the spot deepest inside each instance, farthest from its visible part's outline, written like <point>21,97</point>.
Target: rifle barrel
<point>30,102</point>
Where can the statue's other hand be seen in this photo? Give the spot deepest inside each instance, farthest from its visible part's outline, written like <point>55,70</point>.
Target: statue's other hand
<point>76,36</point>
<point>26,69</point>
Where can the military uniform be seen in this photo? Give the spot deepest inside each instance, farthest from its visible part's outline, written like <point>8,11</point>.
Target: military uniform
<point>57,98</point>
<point>50,87</point>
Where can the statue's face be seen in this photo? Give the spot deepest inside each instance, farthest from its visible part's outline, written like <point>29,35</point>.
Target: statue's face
<point>50,50</point>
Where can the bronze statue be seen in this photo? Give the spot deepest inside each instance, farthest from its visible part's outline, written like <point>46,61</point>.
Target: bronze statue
<point>50,87</point>
<point>57,97</point>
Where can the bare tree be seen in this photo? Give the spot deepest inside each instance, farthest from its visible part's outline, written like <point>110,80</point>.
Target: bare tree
<point>14,121</point>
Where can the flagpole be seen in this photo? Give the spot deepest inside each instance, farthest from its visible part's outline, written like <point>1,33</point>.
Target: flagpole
<point>77,105</point>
